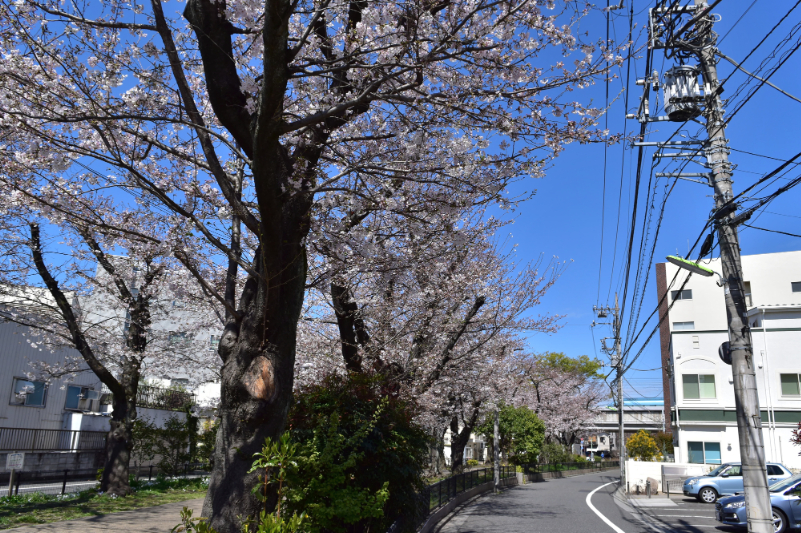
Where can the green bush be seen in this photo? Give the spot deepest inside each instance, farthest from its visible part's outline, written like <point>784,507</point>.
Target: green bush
<point>472,462</point>
<point>207,441</point>
<point>360,455</point>
<point>521,433</point>
<point>555,453</point>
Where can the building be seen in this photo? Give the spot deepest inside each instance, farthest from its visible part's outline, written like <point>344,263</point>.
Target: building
<point>698,385</point>
<point>61,423</point>
<point>638,413</point>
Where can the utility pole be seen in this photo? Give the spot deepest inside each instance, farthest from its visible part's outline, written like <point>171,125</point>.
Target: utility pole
<point>617,362</point>
<point>746,399</point>
<point>695,37</point>
<point>496,451</point>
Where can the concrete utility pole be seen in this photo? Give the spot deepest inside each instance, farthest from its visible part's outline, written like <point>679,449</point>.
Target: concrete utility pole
<point>617,362</point>
<point>749,419</point>
<point>496,451</point>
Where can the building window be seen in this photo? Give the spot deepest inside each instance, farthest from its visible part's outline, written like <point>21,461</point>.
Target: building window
<point>683,326</point>
<point>29,393</point>
<point>796,285</point>
<point>703,452</point>
<point>80,398</point>
<point>686,294</point>
<point>699,386</point>
<point>178,337</point>
<point>747,293</point>
<point>791,385</point>
<point>696,342</point>
<point>214,342</point>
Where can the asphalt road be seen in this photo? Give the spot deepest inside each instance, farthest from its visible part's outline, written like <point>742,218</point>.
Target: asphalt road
<point>560,506</point>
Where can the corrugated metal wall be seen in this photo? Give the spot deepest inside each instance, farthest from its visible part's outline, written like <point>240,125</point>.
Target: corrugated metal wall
<point>15,357</point>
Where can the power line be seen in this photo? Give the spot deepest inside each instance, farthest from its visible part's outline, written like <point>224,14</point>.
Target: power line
<point>772,230</point>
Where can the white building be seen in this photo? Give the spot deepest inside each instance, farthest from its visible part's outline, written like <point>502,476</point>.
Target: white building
<point>699,393</point>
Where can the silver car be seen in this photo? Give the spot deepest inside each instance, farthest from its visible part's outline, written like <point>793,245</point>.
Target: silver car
<point>725,480</point>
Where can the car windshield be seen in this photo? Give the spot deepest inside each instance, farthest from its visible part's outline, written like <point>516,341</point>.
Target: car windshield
<point>718,470</point>
<point>784,484</point>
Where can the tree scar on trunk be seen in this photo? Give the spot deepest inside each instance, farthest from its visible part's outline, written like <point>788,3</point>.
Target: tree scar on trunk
<point>259,379</point>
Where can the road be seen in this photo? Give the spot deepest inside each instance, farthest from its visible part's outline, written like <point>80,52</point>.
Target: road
<point>562,506</point>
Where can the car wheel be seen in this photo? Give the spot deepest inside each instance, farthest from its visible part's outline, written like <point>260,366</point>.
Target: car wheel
<point>779,521</point>
<point>708,495</point>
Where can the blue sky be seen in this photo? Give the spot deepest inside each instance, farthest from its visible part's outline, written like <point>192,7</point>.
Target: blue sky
<point>564,218</point>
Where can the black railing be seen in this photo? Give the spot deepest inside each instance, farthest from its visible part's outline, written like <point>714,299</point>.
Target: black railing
<point>43,440</point>
<point>567,467</point>
<point>69,481</point>
<point>439,494</point>
<point>166,399</point>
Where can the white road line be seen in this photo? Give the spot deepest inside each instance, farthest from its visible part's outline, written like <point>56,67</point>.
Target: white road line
<point>596,511</point>
<point>683,516</point>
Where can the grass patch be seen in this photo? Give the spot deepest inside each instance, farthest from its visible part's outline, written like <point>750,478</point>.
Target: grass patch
<point>40,508</point>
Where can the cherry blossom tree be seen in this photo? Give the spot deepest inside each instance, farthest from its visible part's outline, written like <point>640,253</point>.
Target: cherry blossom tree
<point>563,392</point>
<point>439,314</point>
<point>115,311</point>
<point>258,120</point>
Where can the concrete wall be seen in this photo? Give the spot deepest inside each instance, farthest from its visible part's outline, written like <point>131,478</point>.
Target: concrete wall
<point>638,472</point>
<point>56,461</point>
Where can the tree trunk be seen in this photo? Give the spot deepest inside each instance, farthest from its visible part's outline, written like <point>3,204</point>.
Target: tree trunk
<point>459,440</point>
<point>119,442</point>
<point>257,376</point>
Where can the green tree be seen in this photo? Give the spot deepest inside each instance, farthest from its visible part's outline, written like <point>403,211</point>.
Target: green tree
<point>580,365</point>
<point>521,433</point>
<point>641,445</point>
<point>664,441</point>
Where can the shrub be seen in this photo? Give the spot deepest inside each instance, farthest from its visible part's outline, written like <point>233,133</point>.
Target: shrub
<point>641,445</point>
<point>472,462</point>
<point>664,442</point>
<point>360,455</point>
<point>207,441</point>
<point>553,453</point>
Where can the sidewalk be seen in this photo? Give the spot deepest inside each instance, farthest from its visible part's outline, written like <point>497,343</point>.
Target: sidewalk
<point>159,519</point>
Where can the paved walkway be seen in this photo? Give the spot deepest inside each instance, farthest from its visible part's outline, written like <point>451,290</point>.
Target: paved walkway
<point>159,519</point>
<point>551,506</point>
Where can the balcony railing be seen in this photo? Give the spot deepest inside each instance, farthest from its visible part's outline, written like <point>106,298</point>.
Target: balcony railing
<point>46,440</point>
<point>167,399</point>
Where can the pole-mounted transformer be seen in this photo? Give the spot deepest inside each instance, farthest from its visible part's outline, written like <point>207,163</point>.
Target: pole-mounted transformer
<point>682,93</point>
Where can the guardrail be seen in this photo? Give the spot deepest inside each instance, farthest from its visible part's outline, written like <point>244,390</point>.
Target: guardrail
<point>45,440</point>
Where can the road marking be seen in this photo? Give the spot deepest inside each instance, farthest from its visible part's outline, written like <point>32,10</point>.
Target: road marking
<point>596,511</point>
<point>684,516</point>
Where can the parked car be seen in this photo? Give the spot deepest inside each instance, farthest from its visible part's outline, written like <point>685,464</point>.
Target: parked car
<point>784,499</point>
<point>725,480</point>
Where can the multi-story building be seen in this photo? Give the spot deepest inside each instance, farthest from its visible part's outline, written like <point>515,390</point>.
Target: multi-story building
<point>698,385</point>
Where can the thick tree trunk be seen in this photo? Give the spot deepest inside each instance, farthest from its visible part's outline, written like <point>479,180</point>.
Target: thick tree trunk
<point>118,453</point>
<point>119,442</point>
<point>459,440</point>
<point>257,377</point>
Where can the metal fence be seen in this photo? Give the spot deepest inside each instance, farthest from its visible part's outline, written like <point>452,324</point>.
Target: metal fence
<point>435,496</point>
<point>69,481</point>
<point>43,440</point>
<point>167,399</point>
<point>568,467</point>
<point>440,493</point>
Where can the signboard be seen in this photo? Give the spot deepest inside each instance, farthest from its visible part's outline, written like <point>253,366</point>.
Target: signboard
<point>14,461</point>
